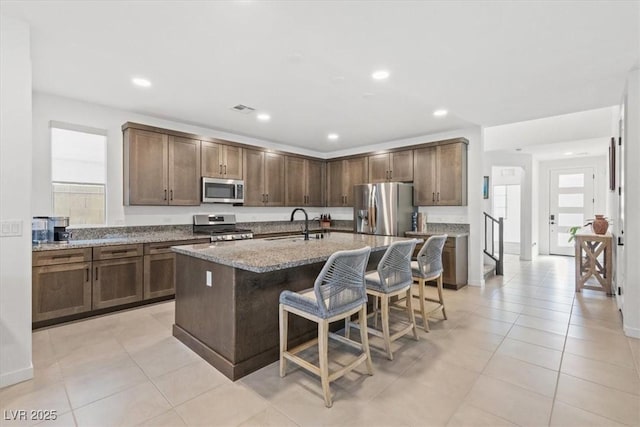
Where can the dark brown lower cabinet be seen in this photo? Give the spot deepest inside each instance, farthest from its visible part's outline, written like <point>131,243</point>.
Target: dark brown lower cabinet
<point>117,281</point>
<point>61,290</point>
<point>159,275</point>
<point>454,258</point>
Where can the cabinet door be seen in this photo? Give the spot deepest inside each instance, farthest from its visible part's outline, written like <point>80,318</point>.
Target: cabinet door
<point>424,176</point>
<point>212,159</point>
<point>117,281</point>
<point>335,194</point>
<point>401,164</point>
<point>315,183</point>
<point>60,290</point>
<point>379,168</point>
<point>232,165</point>
<point>254,194</point>
<point>159,275</point>
<point>274,181</point>
<point>146,175</point>
<point>184,171</point>
<point>356,173</point>
<point>451,189</point>
<point>296,177</point>
<point>449,265</point>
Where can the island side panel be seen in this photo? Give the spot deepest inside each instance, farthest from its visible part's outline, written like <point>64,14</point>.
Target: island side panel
<point>207,313</point>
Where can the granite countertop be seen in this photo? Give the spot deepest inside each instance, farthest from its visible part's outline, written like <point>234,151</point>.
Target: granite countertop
<point>432,233</point>
<point>123,239</point>
<point>264,255</point>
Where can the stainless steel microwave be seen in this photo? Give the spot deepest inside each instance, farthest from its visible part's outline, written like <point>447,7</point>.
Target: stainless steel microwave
<point>218,190</point>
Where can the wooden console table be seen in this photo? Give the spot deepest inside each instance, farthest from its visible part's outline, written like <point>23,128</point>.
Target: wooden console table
<point>594,259</point>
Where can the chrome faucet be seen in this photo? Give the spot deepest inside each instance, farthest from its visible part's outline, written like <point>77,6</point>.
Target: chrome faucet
<point>306,222</point>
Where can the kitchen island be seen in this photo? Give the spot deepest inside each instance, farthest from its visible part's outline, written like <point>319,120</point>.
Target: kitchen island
<point>227,294</point>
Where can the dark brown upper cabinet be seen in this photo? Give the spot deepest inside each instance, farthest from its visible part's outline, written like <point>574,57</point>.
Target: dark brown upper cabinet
<point>221,160</point>
<point>160,169</point>
<point>306,182</point>
<point>264,178</point>
<point>440,175</point>
<point>396,166</point>
<point>342,175</point>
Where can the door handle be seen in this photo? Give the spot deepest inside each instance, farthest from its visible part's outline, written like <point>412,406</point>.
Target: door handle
<point>171,193</point>
<point>225,169</point>
<point>220,170</point>
<point>433,197</point>
<point>390,175</point>
<point>438,198</point>
<point>87,274</point>
<point>96,274</point>
<point>165,194</point>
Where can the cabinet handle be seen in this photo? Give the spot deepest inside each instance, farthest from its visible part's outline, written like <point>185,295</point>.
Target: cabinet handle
<point>165,194</point>
<point>220,172</point>
<point>433,197</point>
<point>87,274</point>
<point>438,199</point>
<point>390,175</point>
<point>60,256</point>
<point>225,169</point>
<point>96,273</point>
<point>267,197</point>
<point>171,192</point>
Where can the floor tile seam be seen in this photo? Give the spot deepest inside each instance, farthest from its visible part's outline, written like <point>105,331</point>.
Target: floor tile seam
<point>564,346</point>
<point>637,396</point>
<point>546,318</point>
<point>127,387</point>
<point>486,411</point>
<point>543,330</point>
<point>530,343</point>
<point>590,411</point>
<point>617,365</point>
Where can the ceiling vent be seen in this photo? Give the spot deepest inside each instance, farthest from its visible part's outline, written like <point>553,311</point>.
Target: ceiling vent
<point>243,109</point>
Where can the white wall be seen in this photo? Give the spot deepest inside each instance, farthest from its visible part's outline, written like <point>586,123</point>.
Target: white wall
<point>49,107</point>
<point>601,184</point>
<point>15,201</point>
<point>528,199</point>
<point>631,252</point>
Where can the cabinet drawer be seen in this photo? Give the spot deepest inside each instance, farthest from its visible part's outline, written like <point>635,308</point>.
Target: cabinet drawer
<point>119,251</point>
<point>62,256</point>
<point>165,247</point>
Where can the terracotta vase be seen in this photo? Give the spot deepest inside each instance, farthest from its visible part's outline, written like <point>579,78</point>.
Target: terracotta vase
<point>600,225</point>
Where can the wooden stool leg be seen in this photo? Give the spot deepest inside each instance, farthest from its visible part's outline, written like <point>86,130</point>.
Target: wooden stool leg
<point>421,285</point>
<point>347,327</point>
<point>412,316</point>
<point>375,311</point>
<point>364,337</point>
<point>444,313</point>
<point>385,326</point>
<point>284,326</point>
<point>323,353</point>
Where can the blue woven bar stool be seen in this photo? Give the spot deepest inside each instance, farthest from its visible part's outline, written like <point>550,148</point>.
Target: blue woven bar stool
<point>392,278</point>
<point>337,293</point>
<point>428,267</point>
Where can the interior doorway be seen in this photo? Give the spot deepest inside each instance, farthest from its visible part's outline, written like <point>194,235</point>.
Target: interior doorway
<point>507,204</point>
<point>571,200</point>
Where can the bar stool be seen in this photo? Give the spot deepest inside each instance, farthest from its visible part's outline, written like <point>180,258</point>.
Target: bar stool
<point>428,267</point>
<point>337,293</point>
<point>392,278</point>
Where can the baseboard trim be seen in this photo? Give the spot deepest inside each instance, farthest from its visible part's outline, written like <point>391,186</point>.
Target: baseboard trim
<point>15,377</point>
<point>479,283</point>
<point>631,332</point>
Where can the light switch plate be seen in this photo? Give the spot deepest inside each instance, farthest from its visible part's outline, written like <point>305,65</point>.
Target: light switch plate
<point>11,228</point>
<point>209,279</point>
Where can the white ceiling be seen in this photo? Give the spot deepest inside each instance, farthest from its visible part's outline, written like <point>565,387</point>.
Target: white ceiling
<point>308,64</point>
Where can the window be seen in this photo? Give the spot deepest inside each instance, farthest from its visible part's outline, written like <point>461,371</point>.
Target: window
<point>78,173</point>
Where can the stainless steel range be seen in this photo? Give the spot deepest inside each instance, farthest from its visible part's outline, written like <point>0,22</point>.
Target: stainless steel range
<point>220,227</point>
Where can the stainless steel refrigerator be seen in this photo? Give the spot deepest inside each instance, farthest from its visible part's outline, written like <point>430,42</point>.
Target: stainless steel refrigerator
<point>383,209</point>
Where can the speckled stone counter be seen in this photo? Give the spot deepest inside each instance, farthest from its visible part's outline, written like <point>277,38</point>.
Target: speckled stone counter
<point>227,294</point>
<point>264,255</point>
<point>419,234</point>
<point>129,238</point>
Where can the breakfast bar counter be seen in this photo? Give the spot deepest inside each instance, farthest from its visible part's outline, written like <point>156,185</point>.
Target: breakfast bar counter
<point>227,294</point>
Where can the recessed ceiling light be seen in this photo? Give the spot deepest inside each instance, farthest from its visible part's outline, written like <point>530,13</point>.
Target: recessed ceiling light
<point>568,153</point>
<point>440,113</point>
<point>263,117</point>
<point>518,149</point>
<point>380,75</point>
<point>140,81</point>
<point>333,137</point>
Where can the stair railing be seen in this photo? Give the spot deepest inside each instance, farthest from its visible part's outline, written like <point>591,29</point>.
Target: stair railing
<point>490,232</point>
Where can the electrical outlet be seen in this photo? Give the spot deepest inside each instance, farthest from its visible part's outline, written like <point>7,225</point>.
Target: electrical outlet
<point>209,279</point>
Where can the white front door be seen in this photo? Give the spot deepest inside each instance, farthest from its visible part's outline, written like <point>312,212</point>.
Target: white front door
<point>570,204</point>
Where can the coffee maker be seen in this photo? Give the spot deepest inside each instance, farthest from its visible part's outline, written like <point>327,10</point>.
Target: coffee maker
<point>58,229</point>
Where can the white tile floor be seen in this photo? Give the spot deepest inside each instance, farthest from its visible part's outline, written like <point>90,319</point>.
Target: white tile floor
<point>524,350</point>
